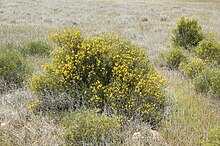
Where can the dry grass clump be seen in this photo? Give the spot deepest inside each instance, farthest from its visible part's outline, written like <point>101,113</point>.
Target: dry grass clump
<point>189,115</point>
<point>20,126</point>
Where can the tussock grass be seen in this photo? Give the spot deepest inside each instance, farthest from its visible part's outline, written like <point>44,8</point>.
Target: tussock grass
<point>21,126</point>
<point>190,115</point>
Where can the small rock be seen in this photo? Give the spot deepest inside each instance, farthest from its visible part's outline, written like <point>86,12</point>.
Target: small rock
<point>3,125</point>
<point>154,134</point>
<point>136,136</point>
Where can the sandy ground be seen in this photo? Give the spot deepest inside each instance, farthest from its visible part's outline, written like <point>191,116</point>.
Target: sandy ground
<point>148,23</point>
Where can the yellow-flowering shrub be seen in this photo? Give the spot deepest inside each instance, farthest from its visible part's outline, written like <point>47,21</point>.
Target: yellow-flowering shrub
<point>187,34</point>
<point>193,68</point>
<point>104,71</point>
<point>208,49</point>
<point>173,58</point>
<point>89,128</point>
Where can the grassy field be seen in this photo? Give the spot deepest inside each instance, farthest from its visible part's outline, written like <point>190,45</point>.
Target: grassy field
<point>146,23</point>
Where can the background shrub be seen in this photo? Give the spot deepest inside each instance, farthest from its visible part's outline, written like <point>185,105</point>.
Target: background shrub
<point>36,47</point>
<point>13,66</point>
<point>193,68</point>
<point>105,72</point>
<point>90,128</point>
<point>173,58</point>
<point>208,49</point>
<point>187,34</point>
<point>208,81</point>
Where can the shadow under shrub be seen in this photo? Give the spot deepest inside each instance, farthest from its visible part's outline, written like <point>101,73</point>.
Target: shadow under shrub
<point>107,71</point>
<point>14,69</point>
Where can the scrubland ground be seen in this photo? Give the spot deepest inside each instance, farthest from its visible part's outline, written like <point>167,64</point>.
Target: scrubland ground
<point>145,22</point>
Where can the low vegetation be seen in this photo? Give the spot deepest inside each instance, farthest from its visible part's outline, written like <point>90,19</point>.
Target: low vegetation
<point>86,87</point>
<point>36,47</point>
<point>193,67</point>
<point>202,63</point>
<point>14,68</point>
<point>91,128</point>
<point>201,69</point>
<point>173,58</point>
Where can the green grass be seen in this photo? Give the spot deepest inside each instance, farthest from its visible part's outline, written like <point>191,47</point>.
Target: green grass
<point>190,115</point>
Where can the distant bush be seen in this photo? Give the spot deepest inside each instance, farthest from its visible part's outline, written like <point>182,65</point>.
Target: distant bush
<point>208,49</point>
<point>13,66</point>
<point>193,68</point>
<point>104,71</point>
<point>208,81</point>
<point>36,47</point>
<point>187,34</point>
<point>213,137</point>
<point>90,128</point>
<point>173,58</point>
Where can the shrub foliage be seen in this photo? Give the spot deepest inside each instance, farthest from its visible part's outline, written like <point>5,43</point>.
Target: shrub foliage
<point>107,71</point>
<point>13,66</point>
<point>208,49</point>
<point>173,58</point>
<point>208,81</point>
<point>187,34</point>
<point>193,68</point>
<point>89,128</point>
<point>36,47</point>
<point>204,68</point>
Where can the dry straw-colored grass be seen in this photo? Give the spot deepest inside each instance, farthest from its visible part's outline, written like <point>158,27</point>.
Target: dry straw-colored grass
<point>147,23</point>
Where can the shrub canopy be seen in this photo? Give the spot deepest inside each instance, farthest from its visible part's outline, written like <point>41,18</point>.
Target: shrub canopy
<point>208,81</point>
<point>173,57</point>
<point>104,71</point>
<point>187,34</point>
<point>193,67</point>
<point>208,49</point>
